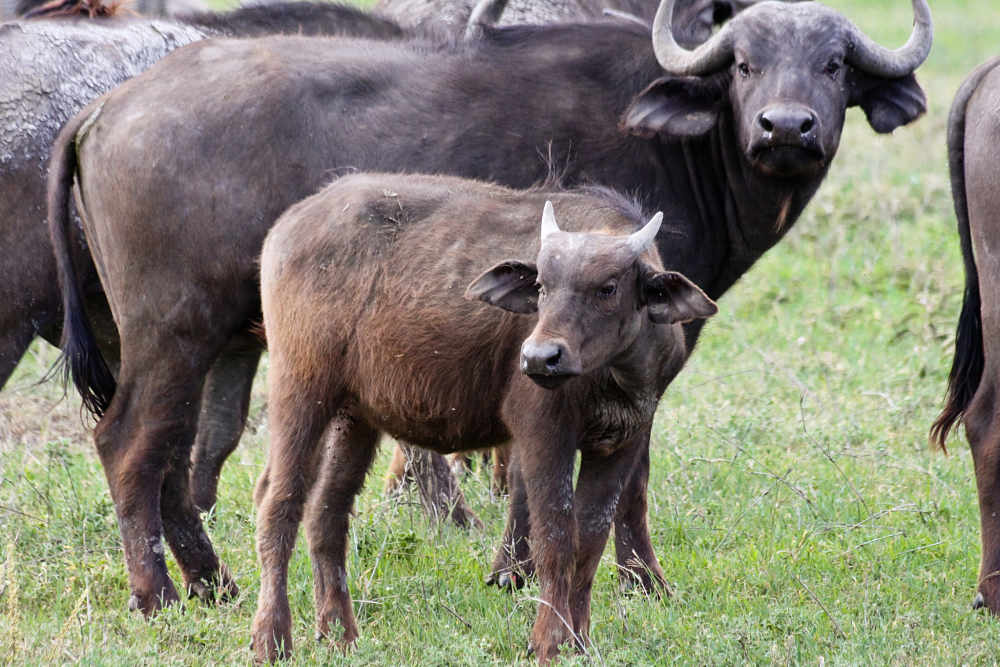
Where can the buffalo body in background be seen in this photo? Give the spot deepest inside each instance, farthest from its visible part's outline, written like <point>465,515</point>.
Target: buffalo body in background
<point>50,69</point>
<point>974,383</point>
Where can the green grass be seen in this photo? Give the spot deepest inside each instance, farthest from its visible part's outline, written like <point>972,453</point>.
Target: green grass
<point>794,502</point>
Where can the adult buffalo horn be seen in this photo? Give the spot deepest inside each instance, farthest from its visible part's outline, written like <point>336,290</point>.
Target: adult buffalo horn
<point>710,57</point>
<point>640,240</point>
<point>625,16</point>
<point>549,225</point>
<point>485,12</point>
<point>875,59</point>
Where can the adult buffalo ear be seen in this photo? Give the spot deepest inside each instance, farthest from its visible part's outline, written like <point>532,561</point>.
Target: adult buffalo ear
<point>671,298</point>
<point>888,103</point>
<point>675,107</point>
<point>511,285</point>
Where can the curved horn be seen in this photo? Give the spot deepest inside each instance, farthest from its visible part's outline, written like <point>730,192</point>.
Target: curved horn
<point>549,225</point>
<point>625,16</point>
<point>873,58</point>
<point>640,240</point>
<point>710,57</point>
<point>485,12</point>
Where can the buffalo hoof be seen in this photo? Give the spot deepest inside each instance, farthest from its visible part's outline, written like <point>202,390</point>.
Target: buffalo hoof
<point>979,602</point>
<point>510,581</point>
<point>220,589</point>
<point>150,604</point>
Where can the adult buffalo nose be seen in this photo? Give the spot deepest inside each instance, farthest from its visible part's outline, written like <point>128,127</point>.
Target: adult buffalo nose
<point>547,362</point>
<point>788,123</point>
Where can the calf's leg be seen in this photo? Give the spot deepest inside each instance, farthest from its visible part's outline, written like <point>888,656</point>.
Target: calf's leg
<point>547,468</point>
<point>297,422</point>
<point>637,563</point>
<point>350,448</point>
<point>598,489</point>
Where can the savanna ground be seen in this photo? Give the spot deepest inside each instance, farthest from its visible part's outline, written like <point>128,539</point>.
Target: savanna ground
<point>795,504</point>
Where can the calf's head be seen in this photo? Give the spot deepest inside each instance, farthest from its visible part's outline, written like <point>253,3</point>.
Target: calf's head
<point>786,73</point>
<point>592,293</point>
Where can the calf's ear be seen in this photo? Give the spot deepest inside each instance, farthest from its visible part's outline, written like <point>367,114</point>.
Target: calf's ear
<point>671,298</point>
<point>888,103</point>
<point>510,285</point>
<point>674,108</point>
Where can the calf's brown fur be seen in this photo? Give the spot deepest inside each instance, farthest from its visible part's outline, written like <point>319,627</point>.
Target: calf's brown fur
<point>362,289</point>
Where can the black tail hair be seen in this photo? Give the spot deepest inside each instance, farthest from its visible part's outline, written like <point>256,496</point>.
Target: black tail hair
<point>81,358</point>
<point>968,362</point>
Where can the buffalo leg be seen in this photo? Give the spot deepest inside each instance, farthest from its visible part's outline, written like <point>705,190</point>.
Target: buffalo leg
<point>548,481</point>
<point>14,341</point>
<point>982,427</point>
<point>498,479</point>
<point>137,439</point>
<point>224,404</point>
<point>598,489</point>
<point>297,422</point>
<point>349,452</point>
<point>637,564</point>
<point>512,563</point>
<point>440,493</point>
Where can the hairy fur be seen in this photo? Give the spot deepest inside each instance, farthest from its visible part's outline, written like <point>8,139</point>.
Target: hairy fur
<point>362,297</point>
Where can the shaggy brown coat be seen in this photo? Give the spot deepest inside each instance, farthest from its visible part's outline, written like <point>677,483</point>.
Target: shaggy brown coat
<point>368,332</point>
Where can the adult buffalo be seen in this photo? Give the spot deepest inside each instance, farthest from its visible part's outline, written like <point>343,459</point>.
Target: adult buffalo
<point>693,20</point>
<point>182,171</point>
<point>973,137</point>
<point>49,69</point>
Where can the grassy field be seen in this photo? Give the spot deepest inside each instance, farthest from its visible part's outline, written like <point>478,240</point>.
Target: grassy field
<point>796,506</point>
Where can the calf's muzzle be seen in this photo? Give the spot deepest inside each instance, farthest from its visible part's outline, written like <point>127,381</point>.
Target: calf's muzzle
<point>547,362</point>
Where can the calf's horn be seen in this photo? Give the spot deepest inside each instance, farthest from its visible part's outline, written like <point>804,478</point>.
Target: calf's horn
<point>549,225</point>
<point>710,57</point>
<point>640,240</point>
<point>870,57</point>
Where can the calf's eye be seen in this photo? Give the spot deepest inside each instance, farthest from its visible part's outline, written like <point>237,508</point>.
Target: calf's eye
<point>608,289</point>
<point>832,67</point>
<point>743,69</point>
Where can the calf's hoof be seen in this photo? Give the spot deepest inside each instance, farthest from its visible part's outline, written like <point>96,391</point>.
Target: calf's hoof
<point>271,638</point>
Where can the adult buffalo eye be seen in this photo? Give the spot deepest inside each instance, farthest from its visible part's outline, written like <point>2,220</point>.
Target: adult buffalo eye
<point>608,289</point>
<point>743,69</point>
<point>832,67</point>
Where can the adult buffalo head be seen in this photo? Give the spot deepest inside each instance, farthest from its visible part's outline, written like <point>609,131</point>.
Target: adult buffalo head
<point>593,293</point>
<point>790,71</point>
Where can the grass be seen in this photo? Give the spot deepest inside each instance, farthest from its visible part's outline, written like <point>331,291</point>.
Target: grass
<point>794,502</point>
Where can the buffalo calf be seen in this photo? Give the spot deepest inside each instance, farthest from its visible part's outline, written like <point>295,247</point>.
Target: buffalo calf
<point>362,289</point>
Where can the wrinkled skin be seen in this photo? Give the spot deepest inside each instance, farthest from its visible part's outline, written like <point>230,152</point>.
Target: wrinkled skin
<point>594,98</point>
<point>386,343</point>
<point>51,68</point>
<point>693,19</point>
<point>973,137</point>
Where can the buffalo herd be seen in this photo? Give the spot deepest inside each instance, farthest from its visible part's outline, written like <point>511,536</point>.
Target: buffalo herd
<point>467,225</point>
